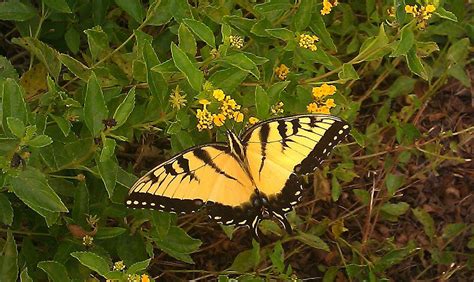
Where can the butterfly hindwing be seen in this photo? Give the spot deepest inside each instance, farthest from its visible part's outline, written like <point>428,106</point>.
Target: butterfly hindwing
<point>280,148</point>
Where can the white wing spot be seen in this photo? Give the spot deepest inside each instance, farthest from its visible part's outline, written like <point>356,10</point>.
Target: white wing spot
<point>153,204</point>
<point>144,203</point>
<point>341,131</point>
<point>135,202</point>
<point>217,217</point>
<point>324,151</point>
<point>297,193</point>
<point>330,144</point>
<point>293,203</point>
<point>285,209</point>
<point>161,206</point>
<point>229,221</point>
<point>335,137</point>
<point>129,202</point>
<point>345,126</point>
<point>243,221</point>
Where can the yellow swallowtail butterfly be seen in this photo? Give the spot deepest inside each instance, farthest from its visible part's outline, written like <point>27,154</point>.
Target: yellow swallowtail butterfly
<point>251,177</point>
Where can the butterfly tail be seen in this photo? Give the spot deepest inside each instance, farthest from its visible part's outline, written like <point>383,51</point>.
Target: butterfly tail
<point>284,222</point>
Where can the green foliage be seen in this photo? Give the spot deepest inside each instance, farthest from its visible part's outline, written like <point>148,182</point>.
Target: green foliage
<point>70,151</point>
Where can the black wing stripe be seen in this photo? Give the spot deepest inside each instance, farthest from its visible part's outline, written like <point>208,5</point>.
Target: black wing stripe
<point>204,156</point>
<point>264,132</point>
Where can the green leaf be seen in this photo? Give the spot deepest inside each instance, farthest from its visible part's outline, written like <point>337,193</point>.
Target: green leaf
<point>302,17</point>
<point>443,13</point>
<point>178,244</point>
<point>330,274</point>
<point>186,40</point>
<point>98,41</point>
<point>13,103</point>
<point>109,232</point>
<point>312,241</point>
<point>262,103</point>
<point>394,257</point>
<point>138,267</point>
<point>108,149</point>
<point>16,126</point>
<point>426,220</point>
<point>81,203</point>
<point>395,209</point>
<point>452,230</point>
<point>40,141</point>
<point>228,79</point>
<point>56,271</point>
<point>362,195</point>
<point>161,222</point>
<point>415,64</point>
<point>402,86</point>
<point>63,124</point>
<point>32,188</point>
<point>202,31</point>
<point>277,257</point>
<point>24,276</point>
<point>73,40</point>
<point>281,33</point>
<point>132,7</point>
<point>155,80</point>
<point>58,5</point>
<point>275,90</point>
<point>407,39</point>
<point>76,67</point>
<point>242,62</point>
<point>16,11</point>
<point>336,189</point>
<point>348,73</point>
<point>459,51</point>
<point>95,110</point>
<point>125,108</point>
<point>45,54</point>
<point>161,14</point>
<point>247,260</point>
<point>7,70</point>
<point>318,26</point>
<point>180,9</point>
<point>93,262</point>
<point>108,170</point>
<point>393,182</point>
<point>9,259</point>
<point>194,76</point>
<point>6,210</point>
<point>373,47</point>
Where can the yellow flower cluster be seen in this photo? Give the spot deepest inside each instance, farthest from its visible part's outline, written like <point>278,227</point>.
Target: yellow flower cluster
<point>236,41</point>
<point>119,265</point>
<point>421,14</point>
<point>282,71</point>
<point>177,100</point>
<point>229,109</point>
<point>327,6</point>
<point>320,105</point>
<point>138,278</point>
<point>307,41</point>
<point>277,108</point>
<point>253,120</point>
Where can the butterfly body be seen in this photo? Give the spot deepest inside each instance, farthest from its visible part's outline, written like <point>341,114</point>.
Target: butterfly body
<point>251,177</point>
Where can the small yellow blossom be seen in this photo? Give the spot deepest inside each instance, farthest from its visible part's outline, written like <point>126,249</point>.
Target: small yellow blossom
<point>422,14</point>
<point>133,278</point>
<point>119,265</point>
<point>215,53</point>
<point>327,6</point>
<point>238,116</point>
<point>330,103</point>
<point>277,108</point>
<point>253,120</point>
<point>319,105</point>
<point>236,41</point>
<point>307,41</point>
<point>218,94</point>
<point>204,119</point>
<point>145,278</point>
<point>312,108</point>
<point>218,119</point>
<point>87,240</point>
<point>323,90</point>
<point>177,99</point>
<point>282,71</point>
<point>204,102</point>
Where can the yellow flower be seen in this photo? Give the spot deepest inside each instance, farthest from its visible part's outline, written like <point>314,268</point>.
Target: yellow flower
<point>312,108</point>
<point>430,8</point>
<point>218,119</point>
<point>145,278</point>
<point>204,102</point>
<point>236,41</point>
<point>253,120</point>
<point>119,265</point>
<point>238,116</point>
<point>133,278</point>
<point>323,90</point>
<point>277,108</point>
<point>282,71</point>
<point>327,6</point>
<point>323,110</point>
<point>330,103</point>
<point>177,100</point>
<point>87,240</point>
<point>307,41</point>
<point>409,9</point>
<point>204,119</point>
<point>422,14</point>
<point>218,94</point>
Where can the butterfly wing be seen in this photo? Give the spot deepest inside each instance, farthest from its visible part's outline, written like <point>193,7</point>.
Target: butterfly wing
<point>200,176</point>
<point>279,149</point>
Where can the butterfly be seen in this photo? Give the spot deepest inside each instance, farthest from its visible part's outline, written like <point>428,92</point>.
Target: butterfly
<point>250,177</point>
